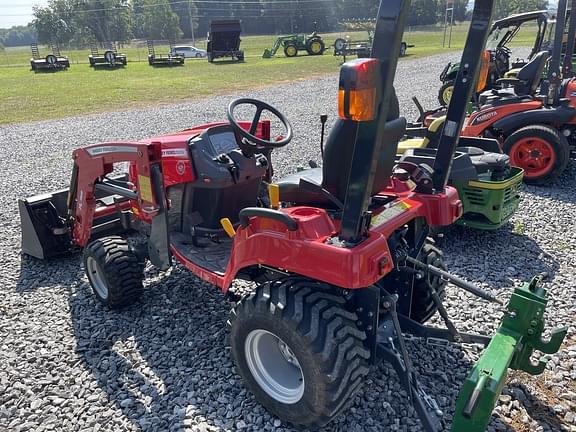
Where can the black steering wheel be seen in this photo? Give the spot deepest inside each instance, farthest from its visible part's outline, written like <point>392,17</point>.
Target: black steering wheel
<point>250,141</point>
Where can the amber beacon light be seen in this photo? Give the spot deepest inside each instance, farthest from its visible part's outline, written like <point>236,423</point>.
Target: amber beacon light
<point>358,88</point>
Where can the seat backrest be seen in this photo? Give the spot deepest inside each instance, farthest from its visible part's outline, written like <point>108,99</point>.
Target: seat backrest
<point>532,72</point>
<point>340,146</point>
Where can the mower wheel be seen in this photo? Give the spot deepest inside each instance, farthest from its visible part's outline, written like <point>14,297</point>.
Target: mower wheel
<point>403,49</point>
<point>315,47</point>
<point>299,350</point>
<point>114,271</point>
<point>290,50</point>
<point>423,306</point>
<point>541,151</point>
<point>445,93</point>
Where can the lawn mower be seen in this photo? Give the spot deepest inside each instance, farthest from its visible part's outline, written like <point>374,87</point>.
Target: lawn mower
<point>501,35</point>
<point>312,44</point>
<point>533,120</point>
<point>52,62</point>
<point>304,338</point>
<point>224,40</point>
<point>109,58</point>
<point>168,59</point>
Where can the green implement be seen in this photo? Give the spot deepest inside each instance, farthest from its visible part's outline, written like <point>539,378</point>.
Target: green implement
<point>519,335</point>
<point>292,44</point>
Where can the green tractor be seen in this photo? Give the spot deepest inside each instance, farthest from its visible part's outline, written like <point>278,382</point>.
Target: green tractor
<point>312,44</point>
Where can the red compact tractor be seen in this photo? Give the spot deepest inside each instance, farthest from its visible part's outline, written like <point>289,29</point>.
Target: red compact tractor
<point>341,272</point>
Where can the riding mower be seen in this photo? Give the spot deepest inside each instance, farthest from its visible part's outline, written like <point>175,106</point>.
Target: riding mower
<point>533,120</point>
<point>501,35</point>
<point>304,338</point>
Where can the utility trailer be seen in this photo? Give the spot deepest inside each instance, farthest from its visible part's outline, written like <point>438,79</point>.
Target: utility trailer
<point>52,62</point>
<point>306,335</point>
<point>109,57</point>
<point>169,59</point>
<point>346,47</point>
<point>224,40</point>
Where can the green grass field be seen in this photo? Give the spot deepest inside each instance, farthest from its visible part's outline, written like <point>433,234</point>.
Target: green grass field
<point>27,96</point>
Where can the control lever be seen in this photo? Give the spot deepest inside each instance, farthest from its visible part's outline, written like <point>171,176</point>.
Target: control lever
<point>309,186</point>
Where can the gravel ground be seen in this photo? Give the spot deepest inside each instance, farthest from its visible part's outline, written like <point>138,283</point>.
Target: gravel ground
<point>66,363</point>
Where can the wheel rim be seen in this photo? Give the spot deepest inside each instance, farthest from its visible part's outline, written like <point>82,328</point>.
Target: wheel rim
<point>96,277</point>
<point>291,51</point>
<point>447,94</point>
<point>534,155</point>
<point>274,366</point>
<point>315,47</point>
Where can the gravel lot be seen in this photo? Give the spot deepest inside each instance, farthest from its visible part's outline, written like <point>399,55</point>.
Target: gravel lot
<point>68,364</point>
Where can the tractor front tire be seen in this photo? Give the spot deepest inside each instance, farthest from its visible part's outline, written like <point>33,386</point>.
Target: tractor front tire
<point>299,350</point>
<point>445,93</point>
<point>114,271</point>
<point>290,50</point>
<point>540,150</point>
<point>423,306</point>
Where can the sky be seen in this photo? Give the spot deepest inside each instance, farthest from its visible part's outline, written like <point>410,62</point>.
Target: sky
<point>17,12</point>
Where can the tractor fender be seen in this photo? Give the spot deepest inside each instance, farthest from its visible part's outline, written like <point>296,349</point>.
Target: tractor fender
<point>549,116</point>
<point>450,71</point>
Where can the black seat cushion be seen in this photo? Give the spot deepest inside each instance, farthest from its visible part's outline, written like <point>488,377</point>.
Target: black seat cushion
<point>485,162</point>
<point>290,188</point>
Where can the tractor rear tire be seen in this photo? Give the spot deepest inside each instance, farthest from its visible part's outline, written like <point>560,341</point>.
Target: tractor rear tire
<point>290,50</point>
<point>299,350</point>
<point>527,145</point>
<point>315,47</point>
<point>445,93</point>
<point>114,271</point>
<point>423,306</point>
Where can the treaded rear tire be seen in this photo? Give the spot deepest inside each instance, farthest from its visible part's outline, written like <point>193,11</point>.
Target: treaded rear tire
<point>322,334</point>
<point>120,269</point>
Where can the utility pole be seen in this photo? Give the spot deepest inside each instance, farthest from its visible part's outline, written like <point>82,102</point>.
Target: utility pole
<point>191,20</point>
<point>448,21</point>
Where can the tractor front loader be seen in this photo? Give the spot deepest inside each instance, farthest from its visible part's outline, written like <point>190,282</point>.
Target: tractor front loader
<point>305,337</point>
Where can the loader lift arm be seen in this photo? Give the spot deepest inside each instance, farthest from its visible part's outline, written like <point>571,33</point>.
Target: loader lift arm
<point>92,164</point>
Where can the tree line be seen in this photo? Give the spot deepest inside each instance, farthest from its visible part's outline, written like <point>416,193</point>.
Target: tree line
<point>79,22</point>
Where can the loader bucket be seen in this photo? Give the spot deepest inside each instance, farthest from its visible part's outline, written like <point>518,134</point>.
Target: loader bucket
<point>45,221</point>
<point>267,53</point>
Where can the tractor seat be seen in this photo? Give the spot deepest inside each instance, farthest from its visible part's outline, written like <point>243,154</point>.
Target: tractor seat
<point>486,162</point>
<point>333,176</point>
<point>290,188</point>
<point>524,85</point>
